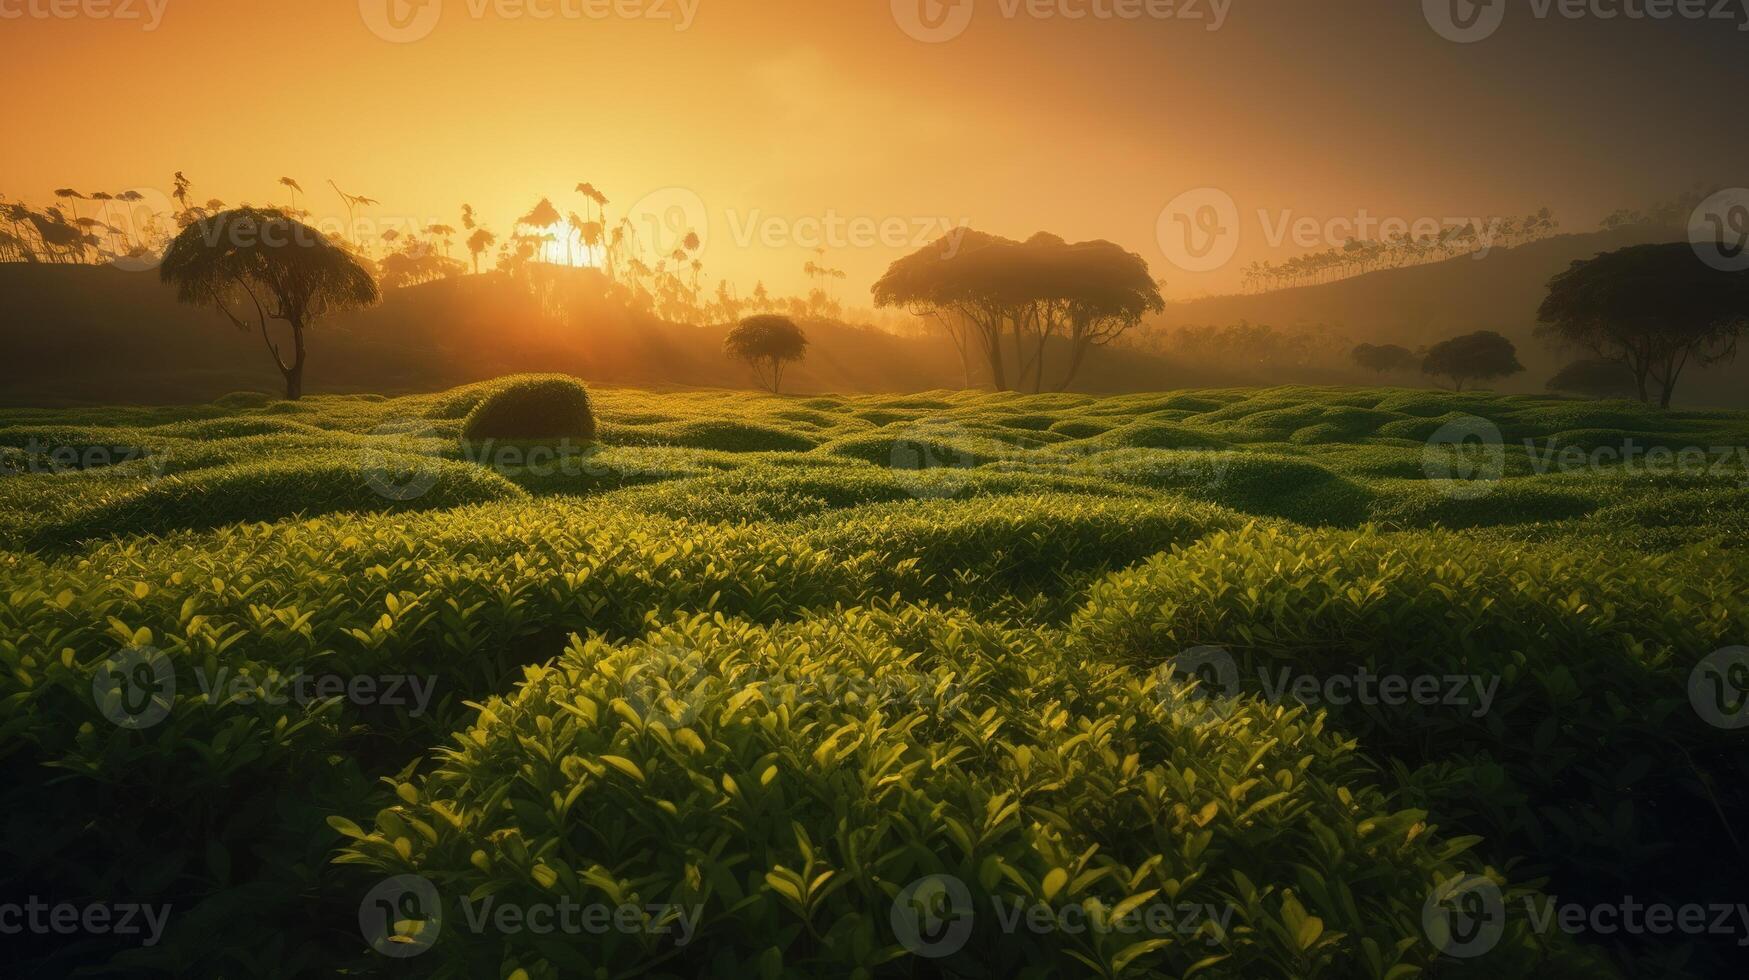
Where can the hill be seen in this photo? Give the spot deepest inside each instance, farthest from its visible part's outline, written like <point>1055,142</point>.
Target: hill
<point>1423,304</point>
<point>72,334</point>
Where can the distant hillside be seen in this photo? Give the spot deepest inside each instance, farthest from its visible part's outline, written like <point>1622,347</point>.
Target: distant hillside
<point>1423,304</point>
<point>98,334</point>
<point>83,333</point>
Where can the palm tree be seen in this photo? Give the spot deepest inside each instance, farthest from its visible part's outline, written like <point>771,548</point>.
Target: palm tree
<point>287,270</point>
<point>592,236</point>
<point>478,242</point>
<point>295,190</point>
<point>179,191</point>
<point>444,232</point>
<point>353,203</point>
<point>72,197</point>
<point>540,217</point>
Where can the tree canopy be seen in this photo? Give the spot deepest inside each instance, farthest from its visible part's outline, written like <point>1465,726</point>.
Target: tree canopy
<point>767,343</point>
<point>982,288</point>
<point>284,269</point>
<point>1380,358</point>
<point>1480,356</point>
<point>1655,308</point>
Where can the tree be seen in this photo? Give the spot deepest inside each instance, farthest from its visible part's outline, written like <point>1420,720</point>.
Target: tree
<point>767,343</point>
<point>980,288</point>
<point>952,280</point>
<point>1655,308</point>
<point>287,270</point>
<point>1095,290</point>
<point>1384,358</point>
<point>478,242</point>
<point>1480,356</point>
<point>1595,377</point>
<point>295,189</point>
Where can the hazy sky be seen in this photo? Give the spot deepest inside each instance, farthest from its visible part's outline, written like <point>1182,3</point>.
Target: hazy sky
<point>779,124</point>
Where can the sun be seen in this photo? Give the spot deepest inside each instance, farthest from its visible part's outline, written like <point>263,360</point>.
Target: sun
<point>563,245</point>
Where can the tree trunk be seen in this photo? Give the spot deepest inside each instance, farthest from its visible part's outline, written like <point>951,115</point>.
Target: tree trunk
<point>294,375</point>
<point>993,350</point>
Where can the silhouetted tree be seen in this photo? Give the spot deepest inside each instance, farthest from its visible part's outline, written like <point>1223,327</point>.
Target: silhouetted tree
<point>287,270</point>
<point>1653,307</point>
<point>478,242</point>
<point>296,188</point>
<point>353,202</point>
<point>1480,356</point>
<point>979,287</point>
<point>767,343</point>
<point>1384,358</point>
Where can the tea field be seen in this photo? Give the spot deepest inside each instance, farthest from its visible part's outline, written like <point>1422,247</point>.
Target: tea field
<point>1284,682</point>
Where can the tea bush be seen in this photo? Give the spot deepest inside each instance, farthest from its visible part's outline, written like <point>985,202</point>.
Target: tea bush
<point>1586,754</point>
<point>787,783</point>
<point>532,407</point>
<point>921,634</point>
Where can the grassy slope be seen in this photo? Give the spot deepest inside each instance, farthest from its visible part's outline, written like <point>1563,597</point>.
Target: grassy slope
<point>1009,515</point>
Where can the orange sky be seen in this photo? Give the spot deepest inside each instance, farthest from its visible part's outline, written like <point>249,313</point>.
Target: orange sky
<point>773,117</point>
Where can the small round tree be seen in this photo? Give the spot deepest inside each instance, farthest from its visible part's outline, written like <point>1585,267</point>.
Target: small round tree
<point>283,268</point>
<point>1480,356</point>
<point>767,343</point>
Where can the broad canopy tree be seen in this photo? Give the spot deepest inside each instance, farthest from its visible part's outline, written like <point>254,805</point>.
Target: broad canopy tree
<point>284,269</point>
<point>1480,356</point>
<point>982,288</point>
<point>1655,308</point>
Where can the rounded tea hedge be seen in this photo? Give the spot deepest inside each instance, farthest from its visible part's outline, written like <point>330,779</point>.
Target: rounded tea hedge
<point>532,407</point>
